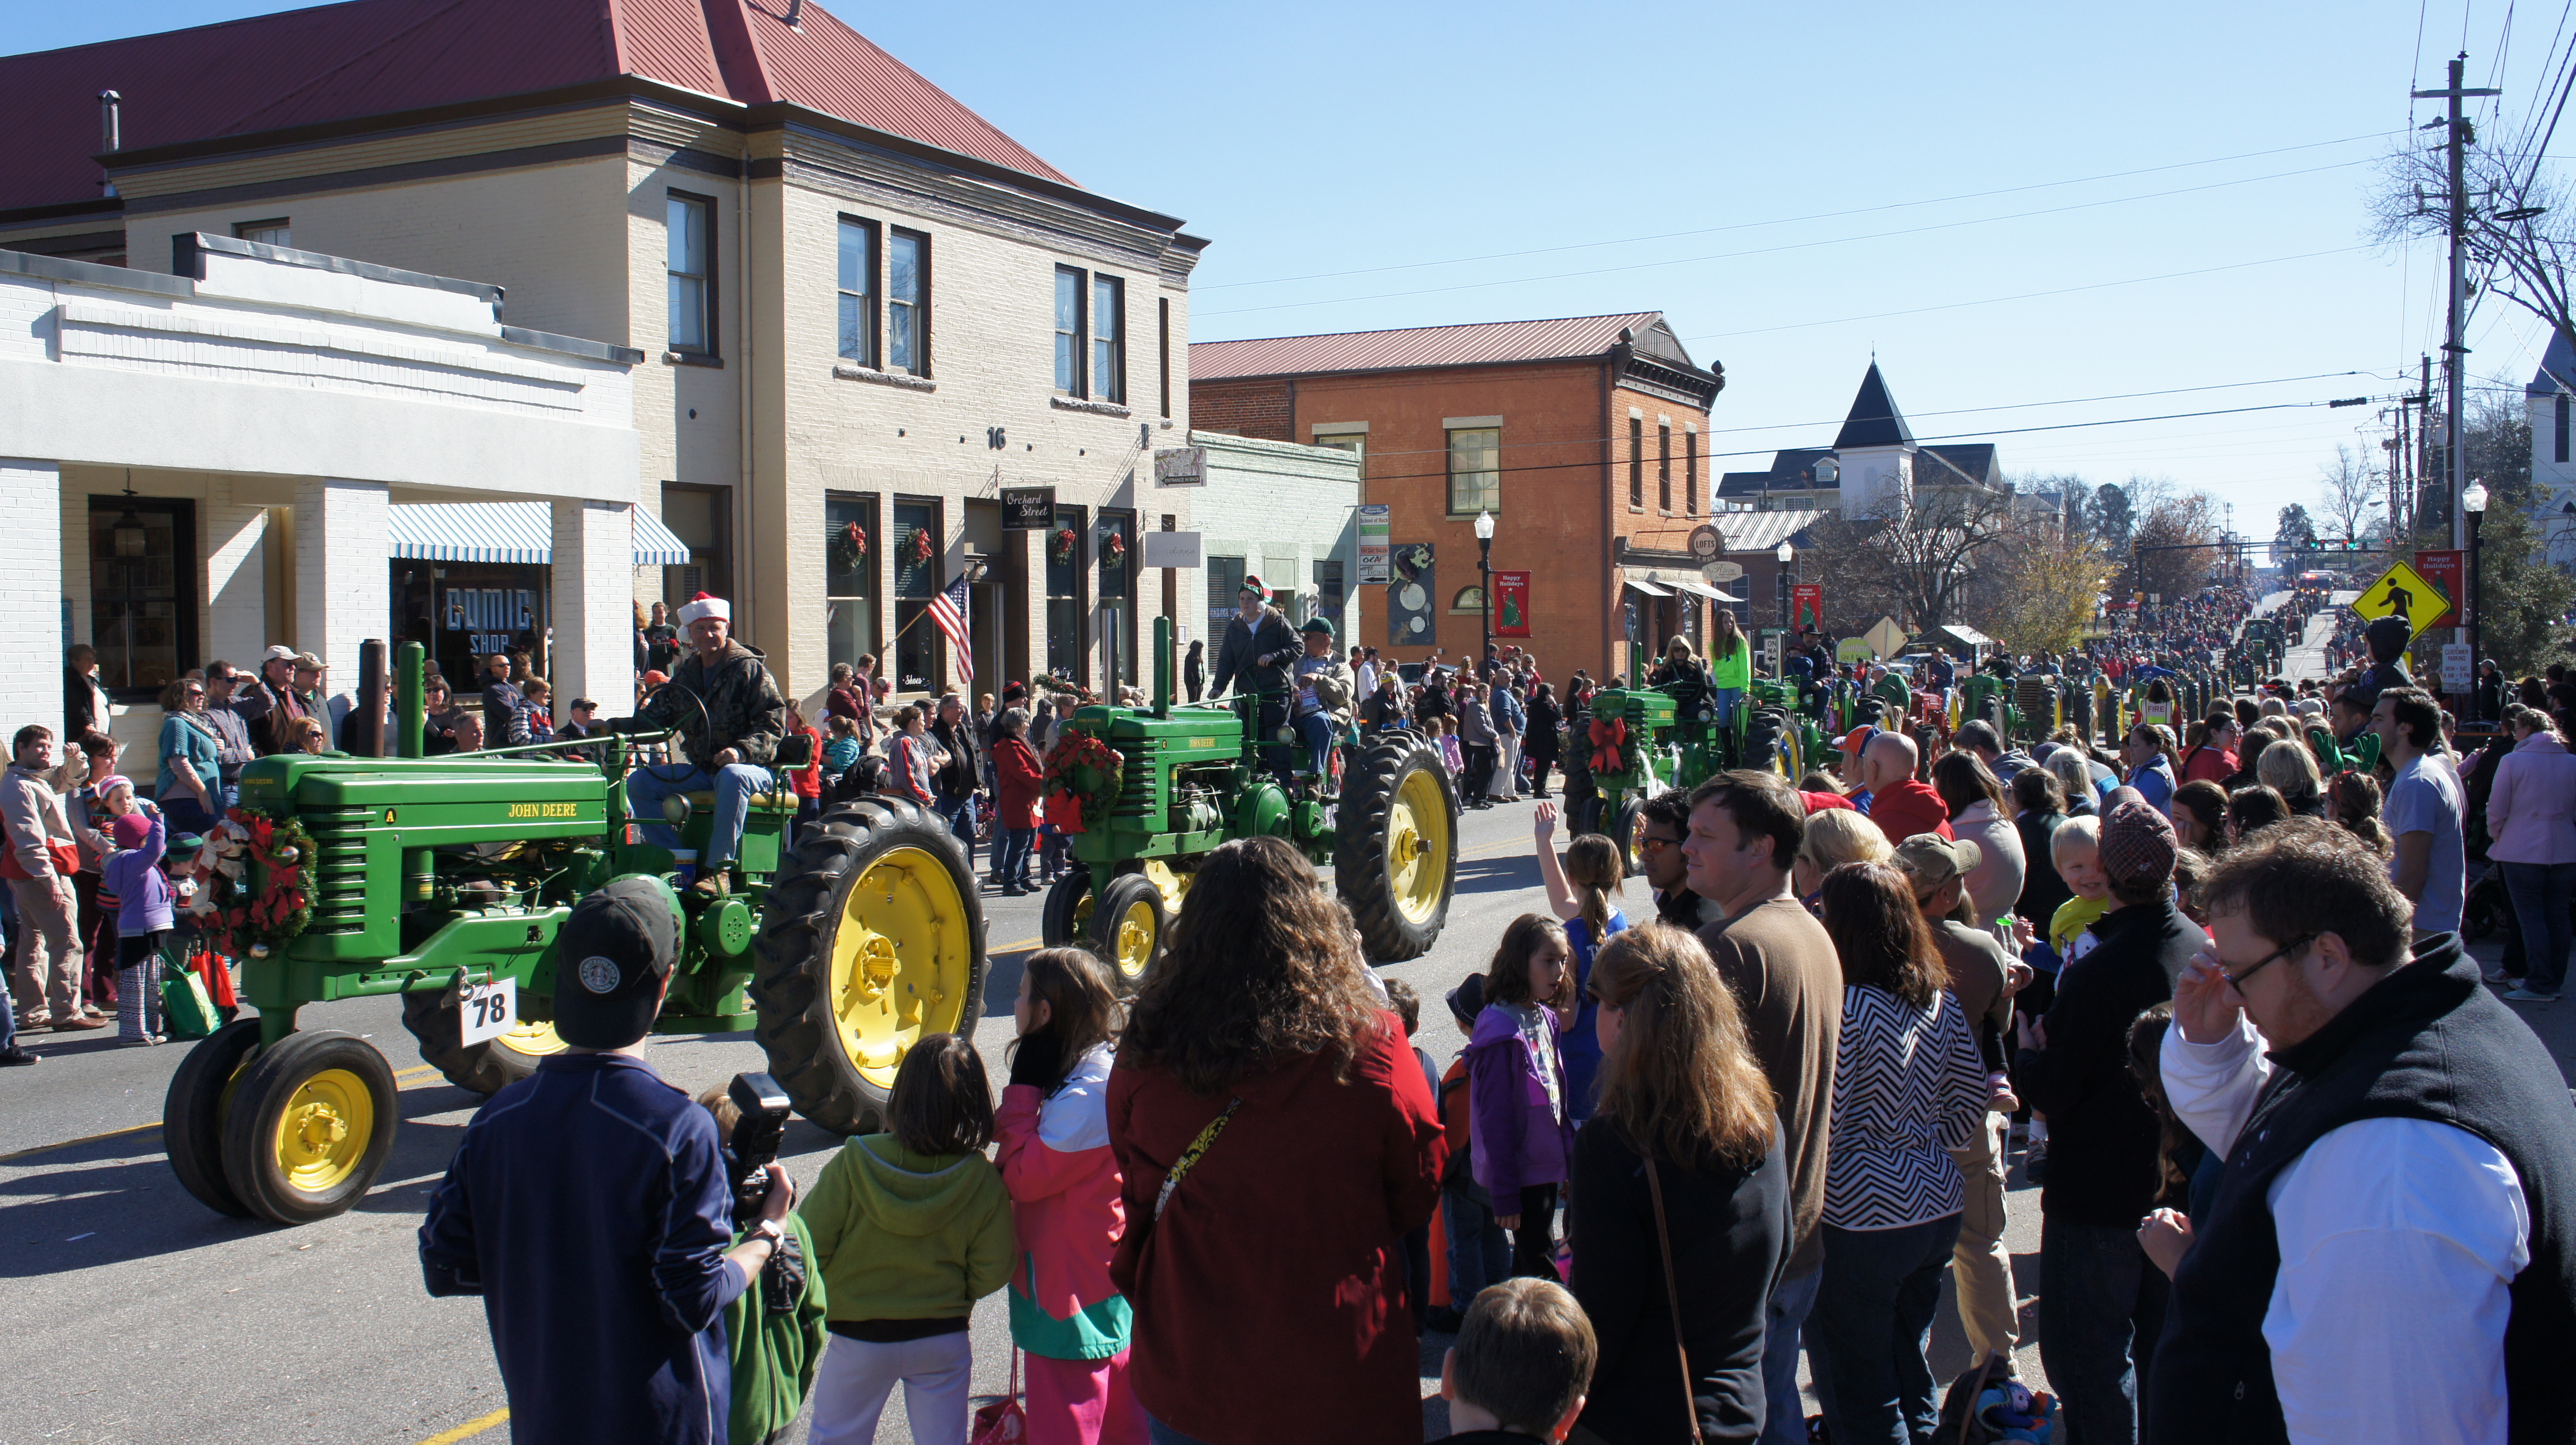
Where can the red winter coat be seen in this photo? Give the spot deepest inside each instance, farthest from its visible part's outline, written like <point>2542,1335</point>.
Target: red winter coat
<point>1016,770</point>
<point>1267,1296</point>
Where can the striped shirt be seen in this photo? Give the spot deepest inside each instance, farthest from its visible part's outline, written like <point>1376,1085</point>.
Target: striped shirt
<point>1908,1088</point>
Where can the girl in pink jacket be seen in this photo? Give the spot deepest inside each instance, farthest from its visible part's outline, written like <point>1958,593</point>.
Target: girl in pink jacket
<point>1053,1146</point>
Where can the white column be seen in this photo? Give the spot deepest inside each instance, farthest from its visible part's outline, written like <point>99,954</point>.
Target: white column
<point>31,586</point>
<point>594,605</point>
<point>341,578</point>
<point>236,627</point>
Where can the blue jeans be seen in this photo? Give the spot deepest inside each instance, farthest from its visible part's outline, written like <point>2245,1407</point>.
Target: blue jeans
<point>1873,1317</point>
<point>1727,699</point>
<point>960,815</point>
<point>2540,892</point>
<point>1784,1415</point>
<point>2101,1306</point>
<point>1317,730</point>
<point>1479,1252</point>
<point>1017,844</point>
<point>8,1023</point>
<point>647,787</point>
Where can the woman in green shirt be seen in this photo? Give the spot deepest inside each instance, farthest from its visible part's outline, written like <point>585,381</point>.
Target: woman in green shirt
<point>1730,665</point>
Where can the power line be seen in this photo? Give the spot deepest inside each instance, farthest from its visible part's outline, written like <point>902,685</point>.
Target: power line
<point>1792,220</point>
<point>1786,246</point>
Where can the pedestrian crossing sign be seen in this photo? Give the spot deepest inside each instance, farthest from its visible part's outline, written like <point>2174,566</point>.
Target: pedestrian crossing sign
<point>2401,591</point>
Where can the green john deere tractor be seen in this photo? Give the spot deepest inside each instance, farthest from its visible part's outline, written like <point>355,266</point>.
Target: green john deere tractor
<point>1188,777</point>
<point>438,878</point>
<point>1669,739</point>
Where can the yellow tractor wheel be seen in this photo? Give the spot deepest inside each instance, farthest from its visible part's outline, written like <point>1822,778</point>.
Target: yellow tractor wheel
<point>1128,929</point>
<point>872,937</point>
<point>1396,860</point>
<point>309,1126</point>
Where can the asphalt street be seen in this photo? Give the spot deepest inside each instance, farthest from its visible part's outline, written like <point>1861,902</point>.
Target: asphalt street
<point>180,1324</point>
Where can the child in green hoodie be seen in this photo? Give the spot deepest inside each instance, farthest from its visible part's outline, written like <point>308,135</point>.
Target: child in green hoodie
<point>910,1228</point>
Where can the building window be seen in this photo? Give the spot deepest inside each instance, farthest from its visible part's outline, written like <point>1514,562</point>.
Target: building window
<point>1109,339</point>
<point>2559,444</point>
<point>858,282</point>
<point>1664,467</point>
<point>1636,462</point>
<point>1690,473</point>
<point>143,592</point>
<point>850,588</point>
<point>1064,649</point>
<point>908,303</point>
<point>1470,601</point>
<point>1224,579</point>
<point>1068,331</point>
<point>1475,470</point>
<point>916,581</point>
<point>1354,442</point>
<point>1115,542</point>
<point>690,239</point>
<point>1328,593</point>
<point>1163,340</point>
<point>272,232</point>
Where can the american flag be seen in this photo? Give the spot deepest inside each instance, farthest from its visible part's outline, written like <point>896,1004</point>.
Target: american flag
<point>948,609</point>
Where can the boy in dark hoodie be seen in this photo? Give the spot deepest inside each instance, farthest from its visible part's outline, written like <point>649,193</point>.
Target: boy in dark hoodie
<point>1523,1359</point>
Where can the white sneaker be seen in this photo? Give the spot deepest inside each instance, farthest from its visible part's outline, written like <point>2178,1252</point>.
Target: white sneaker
<point>2524,995</point>
<point>2498,976</point>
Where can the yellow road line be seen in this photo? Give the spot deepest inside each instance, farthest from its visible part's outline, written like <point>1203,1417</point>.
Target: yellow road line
<point>469,1429</point>
<point>412,1074</point>
<point>1013,947</point>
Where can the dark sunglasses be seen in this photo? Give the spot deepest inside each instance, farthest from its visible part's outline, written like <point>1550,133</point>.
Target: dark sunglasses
<point>2237,979</point>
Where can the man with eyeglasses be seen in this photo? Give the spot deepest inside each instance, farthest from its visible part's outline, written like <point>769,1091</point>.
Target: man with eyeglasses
<point>2103,1303</point>
<point>234,749</point>
<point>1664,822</point>
<point>2391,1252</point>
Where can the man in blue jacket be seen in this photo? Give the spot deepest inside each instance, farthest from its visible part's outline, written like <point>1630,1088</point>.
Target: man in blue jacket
<point>590,1206</point>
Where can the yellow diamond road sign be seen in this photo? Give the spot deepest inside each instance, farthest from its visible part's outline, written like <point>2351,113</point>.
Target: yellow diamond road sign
<point>2401,591</point>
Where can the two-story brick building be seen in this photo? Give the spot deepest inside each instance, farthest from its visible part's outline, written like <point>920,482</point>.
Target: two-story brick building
<point>865,310</point>
<point>1583,438</point>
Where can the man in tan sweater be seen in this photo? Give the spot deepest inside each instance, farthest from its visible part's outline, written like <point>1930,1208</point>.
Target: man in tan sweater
<point>1744,831</point>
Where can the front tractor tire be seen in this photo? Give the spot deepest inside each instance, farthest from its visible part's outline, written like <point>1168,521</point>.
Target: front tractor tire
<point>192,1114</point>
<point>310,1123</point>
<point>1064,919</point>
<point>871,938</point>
<point>1128,930</point>
<point>1396,860</point>
<point>485,1068</point>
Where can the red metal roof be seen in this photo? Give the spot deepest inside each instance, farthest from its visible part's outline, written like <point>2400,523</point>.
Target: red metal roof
<point>1480,343</point>
<point>374,57</point>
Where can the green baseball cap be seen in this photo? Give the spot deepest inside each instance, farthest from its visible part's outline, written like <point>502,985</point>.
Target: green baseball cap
<point>1317,624</point>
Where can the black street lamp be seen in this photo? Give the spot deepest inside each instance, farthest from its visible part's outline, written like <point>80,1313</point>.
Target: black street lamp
<point>1485,574</point>
<point>2473,501</point>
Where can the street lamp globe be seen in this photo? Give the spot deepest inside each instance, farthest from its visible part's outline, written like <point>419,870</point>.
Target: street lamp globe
<point>1787,554</point>
<point>2475,497</point>
<point>1484,526</point>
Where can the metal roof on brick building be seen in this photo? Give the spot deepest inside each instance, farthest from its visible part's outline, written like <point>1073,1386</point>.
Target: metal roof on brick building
<point>1485,343</point>
<point>337,63</point>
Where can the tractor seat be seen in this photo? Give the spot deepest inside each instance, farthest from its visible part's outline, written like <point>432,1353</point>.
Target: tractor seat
<point>782,800</point>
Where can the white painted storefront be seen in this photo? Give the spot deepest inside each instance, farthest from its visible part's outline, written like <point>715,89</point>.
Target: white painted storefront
<point>266,413</point>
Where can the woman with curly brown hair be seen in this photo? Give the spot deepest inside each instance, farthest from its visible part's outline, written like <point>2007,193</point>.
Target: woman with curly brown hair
<point>1276,1141</point>
<point>1909,1088</point>
<point>1685,1146</point>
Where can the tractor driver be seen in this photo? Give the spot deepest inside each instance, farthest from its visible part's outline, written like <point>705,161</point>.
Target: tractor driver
<point>1323,700</point>
<point>730,718</point>
<point>1254,656</point>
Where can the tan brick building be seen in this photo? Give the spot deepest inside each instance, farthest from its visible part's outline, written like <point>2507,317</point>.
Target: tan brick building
<point>859,302</point>
<point>1584,438</point>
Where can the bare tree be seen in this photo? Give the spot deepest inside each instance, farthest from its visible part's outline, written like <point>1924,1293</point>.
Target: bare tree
<point>2521,220</point>
<point>2349,490</point>
<point>1914,559</point>
<point>2177,545</point>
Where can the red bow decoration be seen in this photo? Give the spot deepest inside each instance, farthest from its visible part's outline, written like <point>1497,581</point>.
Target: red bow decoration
<point>921,545</point>
<point>1608,735</point>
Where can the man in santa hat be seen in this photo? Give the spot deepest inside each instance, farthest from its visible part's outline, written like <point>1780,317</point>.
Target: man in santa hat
<point>730,716</point>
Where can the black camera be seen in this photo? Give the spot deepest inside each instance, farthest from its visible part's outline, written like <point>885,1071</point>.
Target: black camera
<point>756,1136</point>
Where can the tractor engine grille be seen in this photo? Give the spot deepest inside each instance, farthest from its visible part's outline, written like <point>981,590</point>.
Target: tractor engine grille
<point>339,867</point>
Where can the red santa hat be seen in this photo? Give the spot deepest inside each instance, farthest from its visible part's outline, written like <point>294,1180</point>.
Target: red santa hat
<point>704,605</point>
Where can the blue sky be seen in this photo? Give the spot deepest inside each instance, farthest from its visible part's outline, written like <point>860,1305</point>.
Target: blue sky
<point>1794,186</point>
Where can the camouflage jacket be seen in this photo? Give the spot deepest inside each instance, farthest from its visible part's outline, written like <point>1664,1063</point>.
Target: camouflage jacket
<point>744,710</point>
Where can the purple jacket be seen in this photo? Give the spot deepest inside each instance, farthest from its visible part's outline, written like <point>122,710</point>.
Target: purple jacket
<point>2531,813</point>
<point>142,890</point>
<point>1516,1139</point>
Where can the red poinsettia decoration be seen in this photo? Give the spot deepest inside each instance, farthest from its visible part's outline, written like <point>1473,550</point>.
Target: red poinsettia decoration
<point>922,548</point>
<point>1115,545</point>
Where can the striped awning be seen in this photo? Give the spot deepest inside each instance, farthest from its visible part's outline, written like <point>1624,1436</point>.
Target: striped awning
<point>507,532</point>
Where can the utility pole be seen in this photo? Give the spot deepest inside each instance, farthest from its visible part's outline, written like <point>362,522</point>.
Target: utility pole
<point>2455,351</point>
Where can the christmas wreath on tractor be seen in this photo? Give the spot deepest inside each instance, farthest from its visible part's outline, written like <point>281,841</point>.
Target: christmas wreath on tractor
<point>240,919</point>
<point>1082,779</point>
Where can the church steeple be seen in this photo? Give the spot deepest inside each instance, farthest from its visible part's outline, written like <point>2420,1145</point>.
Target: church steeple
<point>1874,419</point>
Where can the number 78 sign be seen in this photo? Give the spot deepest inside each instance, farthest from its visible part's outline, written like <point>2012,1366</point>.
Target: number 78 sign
<point>489,1009</point>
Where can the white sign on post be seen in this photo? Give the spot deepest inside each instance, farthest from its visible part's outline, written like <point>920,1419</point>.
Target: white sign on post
<point>2456,667</point>
<point>491,1007</point>
<point>1173,549</point>
<point>1180,467</point>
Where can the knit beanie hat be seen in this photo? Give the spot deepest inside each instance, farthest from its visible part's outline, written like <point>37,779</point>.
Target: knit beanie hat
<point>2137,841</point>
<point>129,829</point>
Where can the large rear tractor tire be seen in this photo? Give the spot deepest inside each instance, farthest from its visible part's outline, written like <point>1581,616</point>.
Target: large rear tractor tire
<point>310,1124</point>
<point>485,1068</point>
<point>871,938</point>
<point>1129,929</point>
<point>1396,862</point>
<point>192,1114</point>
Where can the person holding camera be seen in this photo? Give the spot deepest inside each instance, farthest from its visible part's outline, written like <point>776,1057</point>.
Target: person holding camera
<point>607,1319</point>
